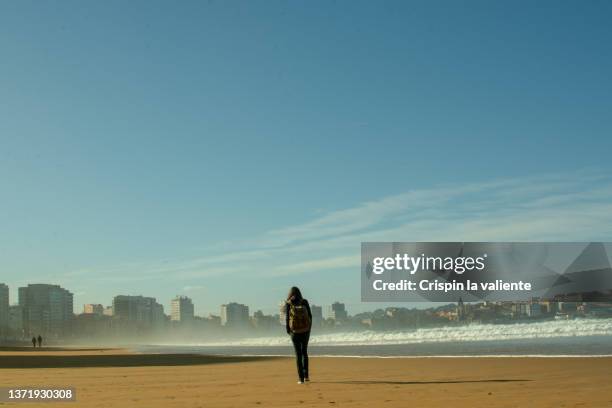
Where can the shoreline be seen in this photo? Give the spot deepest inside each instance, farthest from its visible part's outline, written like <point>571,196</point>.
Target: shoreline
<point>135,351</point>
<point>450,356</point>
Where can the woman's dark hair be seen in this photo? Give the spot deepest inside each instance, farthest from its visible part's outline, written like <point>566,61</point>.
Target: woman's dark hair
<point>294,294</point>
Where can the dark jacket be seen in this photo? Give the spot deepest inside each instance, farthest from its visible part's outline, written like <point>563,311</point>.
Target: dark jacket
<point>287,309</point>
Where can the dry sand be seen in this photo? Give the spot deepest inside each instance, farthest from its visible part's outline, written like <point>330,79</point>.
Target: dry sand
<point>118,378</point>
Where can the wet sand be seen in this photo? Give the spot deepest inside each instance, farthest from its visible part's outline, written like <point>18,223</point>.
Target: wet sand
<point>119,378</point>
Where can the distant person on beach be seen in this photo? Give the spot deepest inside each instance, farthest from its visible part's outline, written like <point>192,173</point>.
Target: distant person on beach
<point>298,322</point>
<point>34,342</point>
<point>39,341</point>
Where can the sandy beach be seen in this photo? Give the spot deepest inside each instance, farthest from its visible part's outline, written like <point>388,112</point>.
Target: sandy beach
<point>119,378</point>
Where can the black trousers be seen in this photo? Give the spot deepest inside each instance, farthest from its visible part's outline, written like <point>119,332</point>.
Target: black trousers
<point>300,344</point>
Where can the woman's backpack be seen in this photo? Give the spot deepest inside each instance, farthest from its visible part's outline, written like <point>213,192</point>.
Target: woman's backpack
<point>299,320</point>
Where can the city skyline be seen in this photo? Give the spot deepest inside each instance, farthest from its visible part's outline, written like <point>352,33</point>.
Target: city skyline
<point>171,155</point>
<point>173,312</point>
<point>47,310</point>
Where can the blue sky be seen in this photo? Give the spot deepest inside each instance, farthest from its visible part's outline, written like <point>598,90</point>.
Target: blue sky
<point>227,150</point>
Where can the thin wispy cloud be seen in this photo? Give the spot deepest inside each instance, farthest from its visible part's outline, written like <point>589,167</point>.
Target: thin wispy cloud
<point>194,288</point>
<point>565,207</point>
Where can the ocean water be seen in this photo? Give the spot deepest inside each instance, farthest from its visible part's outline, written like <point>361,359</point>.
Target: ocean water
<point>579,337</point>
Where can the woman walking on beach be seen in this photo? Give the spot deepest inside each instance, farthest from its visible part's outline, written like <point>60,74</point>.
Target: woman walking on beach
<point>298,322</point>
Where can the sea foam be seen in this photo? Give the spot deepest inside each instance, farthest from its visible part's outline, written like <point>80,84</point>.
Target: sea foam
<point>455,334</point>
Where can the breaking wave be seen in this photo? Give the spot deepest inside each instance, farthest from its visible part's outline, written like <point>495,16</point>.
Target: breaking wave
<point>454,334</point>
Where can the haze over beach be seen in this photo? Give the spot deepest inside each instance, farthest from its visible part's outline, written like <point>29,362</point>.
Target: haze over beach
<point>393,203</point>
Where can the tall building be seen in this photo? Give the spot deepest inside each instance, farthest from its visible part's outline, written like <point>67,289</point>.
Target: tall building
<point>16,320</point>
<point>143,312</point>
<point>263,322</point>
<point>282,307</point>
<point>47,309</point>
<point>182,309</point>
<point>534,309</point>
<point>4,309</point>
<point>317,315</point>
<point>234,315</point>
<point>91,308</point>
<point>159,318</point>
<point>337,311</point>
